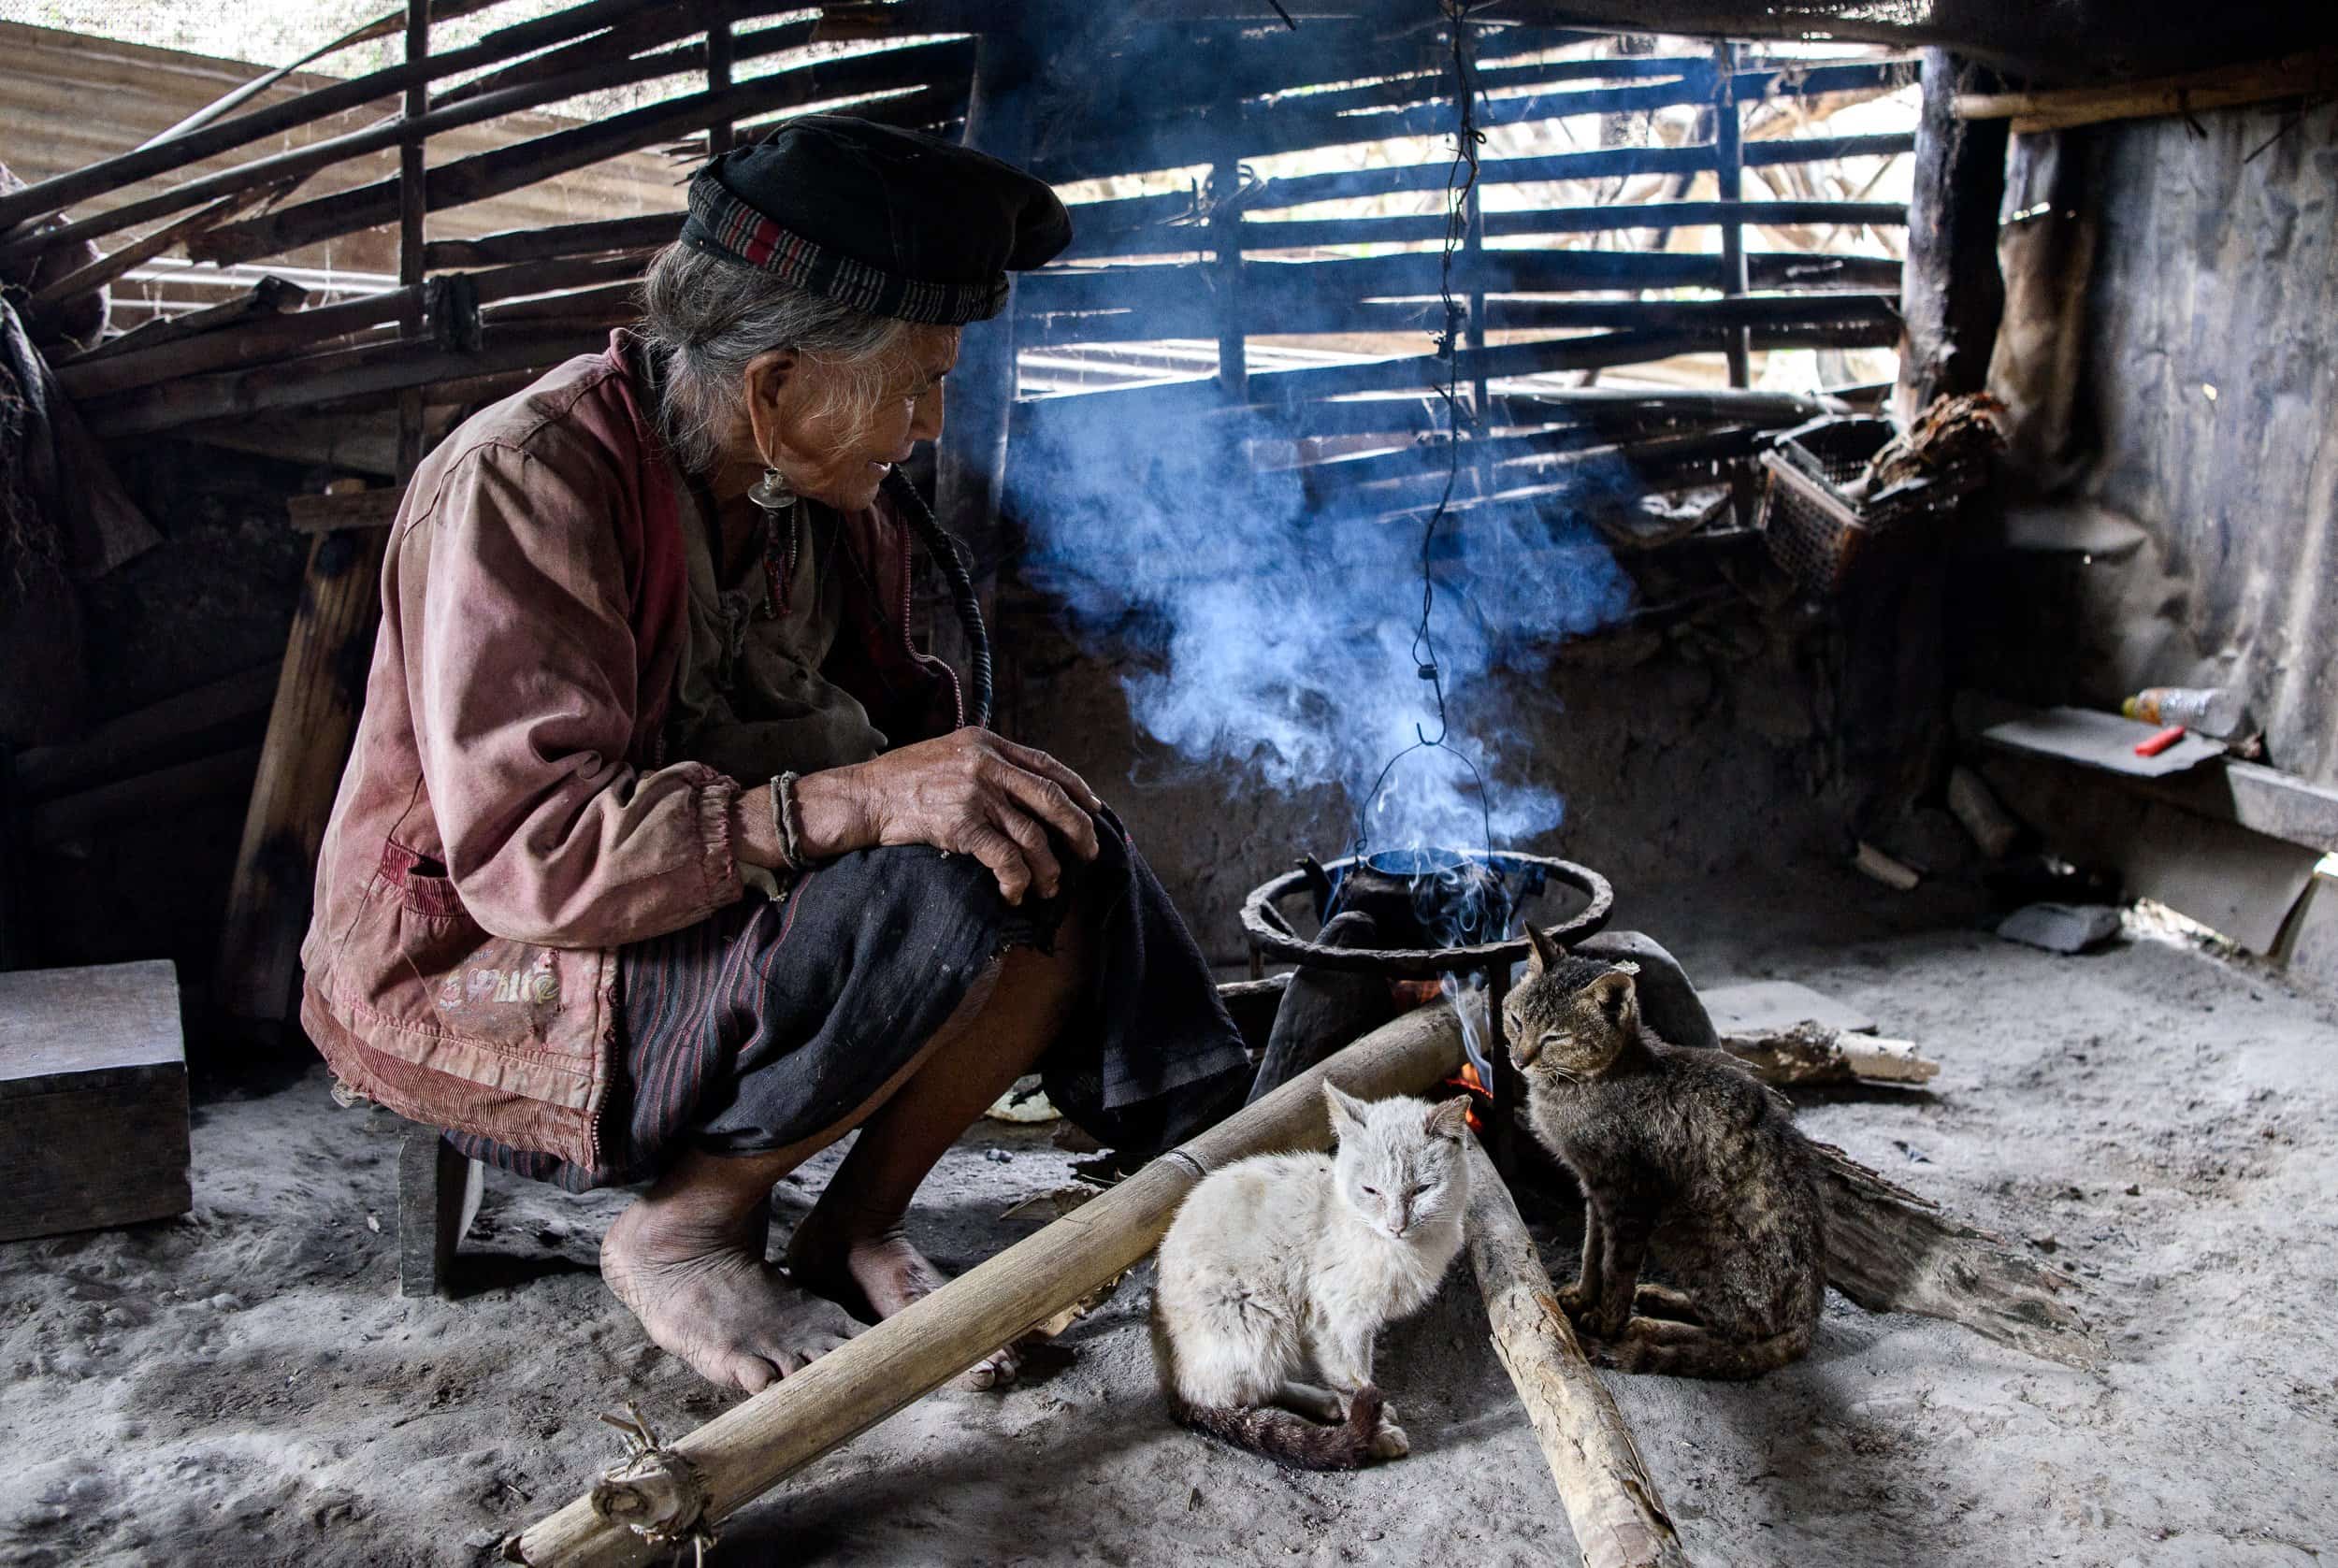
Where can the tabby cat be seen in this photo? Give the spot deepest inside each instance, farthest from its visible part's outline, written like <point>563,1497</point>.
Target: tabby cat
<point>1284,1263</point>
<point>1682,1139</point>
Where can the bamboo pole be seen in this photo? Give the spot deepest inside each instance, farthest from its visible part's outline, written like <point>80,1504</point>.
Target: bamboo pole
<point>1612,1507</point>
<point>2193,91</point>
<point>753,1446</point>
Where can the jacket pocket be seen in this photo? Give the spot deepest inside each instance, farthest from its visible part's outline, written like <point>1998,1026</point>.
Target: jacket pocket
<point>422,882</point>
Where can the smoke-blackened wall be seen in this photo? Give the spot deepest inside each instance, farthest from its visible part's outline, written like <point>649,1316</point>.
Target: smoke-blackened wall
<point>1684,743</point>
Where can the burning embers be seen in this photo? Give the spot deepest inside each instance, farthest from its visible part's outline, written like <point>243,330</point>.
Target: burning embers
<point>1428,922</point>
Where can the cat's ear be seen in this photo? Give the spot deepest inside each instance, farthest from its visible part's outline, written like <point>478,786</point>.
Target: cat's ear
<point>1613,995</point>
<point>1347,1110</point>
<point>1448,1118</point>
<point>1546,953</point>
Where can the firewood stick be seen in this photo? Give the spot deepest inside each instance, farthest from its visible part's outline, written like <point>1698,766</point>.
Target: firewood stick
<point>1815,1054</point>
<point>752,1447</point>
<point>1611,1504</point>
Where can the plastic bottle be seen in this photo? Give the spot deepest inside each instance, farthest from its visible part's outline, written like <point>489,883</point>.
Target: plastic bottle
<point>2212,710</point>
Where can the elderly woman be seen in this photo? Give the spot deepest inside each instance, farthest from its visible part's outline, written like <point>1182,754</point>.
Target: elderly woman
<point>663,856</point>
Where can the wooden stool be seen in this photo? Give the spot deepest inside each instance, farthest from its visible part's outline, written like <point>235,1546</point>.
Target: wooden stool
<point>438,1198</point>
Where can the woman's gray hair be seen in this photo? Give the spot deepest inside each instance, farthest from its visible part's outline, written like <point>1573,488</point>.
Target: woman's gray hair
<point>705,319</point>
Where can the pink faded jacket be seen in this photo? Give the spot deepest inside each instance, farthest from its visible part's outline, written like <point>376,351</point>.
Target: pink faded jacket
<point>503,827</point>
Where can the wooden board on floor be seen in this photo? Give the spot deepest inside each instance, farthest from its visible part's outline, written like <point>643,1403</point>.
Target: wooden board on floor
<point>93,1099</point>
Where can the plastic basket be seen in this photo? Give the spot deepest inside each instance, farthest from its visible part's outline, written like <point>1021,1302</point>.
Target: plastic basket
<point>1828,539</point>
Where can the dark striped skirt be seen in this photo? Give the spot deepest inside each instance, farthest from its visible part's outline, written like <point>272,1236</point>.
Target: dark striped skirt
<point>771,1021</point>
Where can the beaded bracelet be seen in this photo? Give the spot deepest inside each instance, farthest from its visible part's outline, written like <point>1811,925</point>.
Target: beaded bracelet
<point>787,819</point>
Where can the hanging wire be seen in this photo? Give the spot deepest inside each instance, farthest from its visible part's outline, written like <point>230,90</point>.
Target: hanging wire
<point>1461,180</point>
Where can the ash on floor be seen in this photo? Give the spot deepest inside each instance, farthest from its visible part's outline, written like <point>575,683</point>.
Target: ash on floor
<point>243,1387</point>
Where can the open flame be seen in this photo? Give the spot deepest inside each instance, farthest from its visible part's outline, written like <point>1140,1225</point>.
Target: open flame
<point>1469,1081</point>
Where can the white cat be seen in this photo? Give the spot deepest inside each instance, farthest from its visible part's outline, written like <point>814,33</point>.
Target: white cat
<point>1280,1264</point>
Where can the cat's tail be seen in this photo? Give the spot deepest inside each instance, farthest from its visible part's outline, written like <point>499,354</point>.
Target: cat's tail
<point>1670,1349</point>
<point>1288,1438</point>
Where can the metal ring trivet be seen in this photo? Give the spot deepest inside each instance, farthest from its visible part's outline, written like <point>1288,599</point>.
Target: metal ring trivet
<point>1271,936</point>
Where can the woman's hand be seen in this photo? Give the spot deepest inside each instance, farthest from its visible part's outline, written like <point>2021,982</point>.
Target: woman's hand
<point>969,793</point>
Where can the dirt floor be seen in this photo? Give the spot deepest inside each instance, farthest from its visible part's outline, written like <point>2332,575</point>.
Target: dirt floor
<point>244,1387</point>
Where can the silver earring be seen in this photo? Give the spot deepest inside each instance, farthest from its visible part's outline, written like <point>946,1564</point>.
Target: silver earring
<point>772,492</point>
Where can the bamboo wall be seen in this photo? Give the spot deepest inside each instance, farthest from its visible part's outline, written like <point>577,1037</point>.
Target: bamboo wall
<point>1560,278</point>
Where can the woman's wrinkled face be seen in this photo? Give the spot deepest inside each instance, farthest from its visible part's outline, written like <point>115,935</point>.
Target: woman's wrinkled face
<point>817,423</point>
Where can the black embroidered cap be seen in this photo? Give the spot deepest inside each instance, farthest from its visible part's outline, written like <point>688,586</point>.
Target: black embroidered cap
<point>891,222</point>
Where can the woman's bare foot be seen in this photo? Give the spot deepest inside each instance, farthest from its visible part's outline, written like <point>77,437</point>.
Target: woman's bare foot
<point>880,1272</point>
<point>699,1283</point>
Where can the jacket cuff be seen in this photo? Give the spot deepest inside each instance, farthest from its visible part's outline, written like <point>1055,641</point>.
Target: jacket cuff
<point>717,795</point>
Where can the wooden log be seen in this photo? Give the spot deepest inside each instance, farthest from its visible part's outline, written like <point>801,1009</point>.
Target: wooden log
<point>357,508</point>
<point>309,735</point>
<point>1612,1507</point>
<point>114,749</point>
<point>490,173</point>
<point>1889,1250</point>
<point>47,196</point>
<point>756,1445</point>
<point>93,1099</point>
<point>1815,1054</point>
<point>2314,72</point>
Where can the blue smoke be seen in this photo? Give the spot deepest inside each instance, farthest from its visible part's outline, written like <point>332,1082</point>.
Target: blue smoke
<point>1273,630</point>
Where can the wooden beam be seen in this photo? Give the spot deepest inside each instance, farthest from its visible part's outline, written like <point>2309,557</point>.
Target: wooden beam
<point>317,379</point>
<point>560,241</point>
<point>483,175</point>
<point>247,343</point>
<point>756,1445</point>
<point>44,197</point>
<point>2313,73</point>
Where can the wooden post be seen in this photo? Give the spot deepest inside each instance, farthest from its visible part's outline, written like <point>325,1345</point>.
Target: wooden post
<point>1611,1504</point>
<point>438,1198</point>
<point>721,51</point>
<point>411,204</point>
<point>753,1446</point>
<point>971,464</point>
<point>1729,170</point>
<point>1952,296</point>
<point>1225,235</point>
<point>308,733</point>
